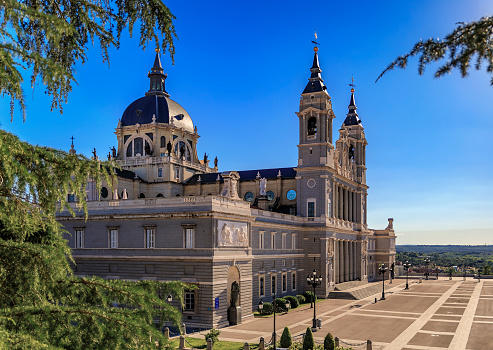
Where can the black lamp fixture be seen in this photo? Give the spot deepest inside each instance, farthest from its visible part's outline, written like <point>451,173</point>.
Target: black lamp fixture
<point>314,281</point>
<point>381,271</point>
<point>407,265</point>
<point>427,262</point>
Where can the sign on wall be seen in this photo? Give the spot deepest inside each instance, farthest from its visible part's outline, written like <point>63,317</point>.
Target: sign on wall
<point>232,234</point>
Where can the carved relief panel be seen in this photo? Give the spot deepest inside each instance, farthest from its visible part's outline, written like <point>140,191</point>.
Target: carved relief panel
<point>232,234</point>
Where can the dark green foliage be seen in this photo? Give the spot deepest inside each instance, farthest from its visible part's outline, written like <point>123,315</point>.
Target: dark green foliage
<point>286,340</point>
<point>42,305</point>
<point>487,270</point>
<point>51,38</point>
<point>213,335</point>
<point>293,301</point>
<point>309,296</point>
<point>329,343</point>
<point>267,309</point>
<point>301,299</point>
<point>281,304</point>
<point>467,42</point>
<point>308,343</point>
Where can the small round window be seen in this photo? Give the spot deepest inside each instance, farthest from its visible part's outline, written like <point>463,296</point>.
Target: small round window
<point>291,195</point>
<point>249,196</point>
<point>104,192</point>
<point>270,195</point>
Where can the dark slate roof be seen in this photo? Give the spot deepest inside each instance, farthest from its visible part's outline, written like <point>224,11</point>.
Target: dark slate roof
<point>314,86</point>
<point>126,174</point>
<point>245,175</point>
<point>315,83</point>
<point>352,116</point>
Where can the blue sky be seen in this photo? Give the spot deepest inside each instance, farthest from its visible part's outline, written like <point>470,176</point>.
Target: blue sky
<point>240,68</point>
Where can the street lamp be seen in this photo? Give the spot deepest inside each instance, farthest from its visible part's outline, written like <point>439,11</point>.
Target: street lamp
<point>464,269</point>
<point>427,262</point>
<point>407,265</point>
<point>169,298</point>
<point>436,270</point>
<point>381,271</point>
<point>274,307</point>
<point>314,281</point>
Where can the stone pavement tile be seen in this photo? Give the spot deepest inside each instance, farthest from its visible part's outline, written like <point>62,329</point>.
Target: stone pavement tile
<point>380,329</point>
<point>446,317</point>
<point>388,313</point>
<point>487,291</point>
<point>403,303</point>
<point>485,307</point>
<point>450,310</point>
<point>457,300</point>
<point>425,287</point>
<point>480,337</point>
<point>435,340</point>
<point>335,313</point>
<point>438,326</point>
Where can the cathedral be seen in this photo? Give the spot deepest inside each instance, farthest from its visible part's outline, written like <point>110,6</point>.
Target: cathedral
<point>239,236</point>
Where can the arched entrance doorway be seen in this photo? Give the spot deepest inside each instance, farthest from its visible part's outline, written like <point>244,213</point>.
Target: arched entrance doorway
<point>233,296</point>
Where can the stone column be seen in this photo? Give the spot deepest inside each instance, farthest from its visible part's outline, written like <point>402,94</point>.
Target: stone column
<point>346,204</point>
<point>335,201</point>
<point>336,261</point>
<point>346,261</point>
<point>350,205</point>
<point>340,203</point>
<point>341,261</point>
<point>351,261</point>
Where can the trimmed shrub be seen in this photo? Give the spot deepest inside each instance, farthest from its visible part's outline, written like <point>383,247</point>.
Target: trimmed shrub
<point>301,299</point>
<point>309,296</point>
<point>286,340</point>
<point>293,301</point>
<point>281,304</point>
<point>329,343</point>
<point>267,309</point>
<point>308,342</point>
<point>213,334</point>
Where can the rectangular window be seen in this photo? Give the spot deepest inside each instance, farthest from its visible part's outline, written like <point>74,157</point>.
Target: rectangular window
<point>261,285</point>
<point>189,301</point>
<point>177,173</point>
<point>284,282</point>
<point>273,240</point>
<point>283,242</point>
<point>71,197</point>
<point>273,286</point>
<point>189,237</point>
<point>79,238</point>
<point>293,280</point>
<point>261,239</point>
<point>113,238</point>
<point>160,172</point>
<point>293,241</point>
<point>311,209</point>
<point>150,237</point>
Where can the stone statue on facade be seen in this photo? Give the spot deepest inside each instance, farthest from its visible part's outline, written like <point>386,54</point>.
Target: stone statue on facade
<point>235,292</point>
<point>205,159</point>
<point>169,148</point>
<point>215,162</point>
<point>263,186</point>
<point>94,153</point>
<point>113,151</point>
<point>230,184</point>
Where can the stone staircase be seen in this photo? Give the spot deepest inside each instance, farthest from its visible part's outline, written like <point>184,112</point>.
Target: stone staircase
<point>355,290</point>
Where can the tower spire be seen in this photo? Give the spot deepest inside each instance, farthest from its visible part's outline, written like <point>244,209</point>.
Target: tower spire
<point>157,78</point>
<point>352,116</point>
<point>315,82</point>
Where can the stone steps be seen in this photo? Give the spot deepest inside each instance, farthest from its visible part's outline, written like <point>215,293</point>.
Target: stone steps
<point>358,292</point>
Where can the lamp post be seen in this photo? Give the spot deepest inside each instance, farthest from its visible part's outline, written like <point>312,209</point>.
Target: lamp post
<point>407,265</point>
<point>314,281</point>
<point>436,270</point>
<point>464,269</point>
<point>381,271</point>
<point>274,307</point>
<point>427,262</point>
<point>479,275</point>
<point>169,298</point>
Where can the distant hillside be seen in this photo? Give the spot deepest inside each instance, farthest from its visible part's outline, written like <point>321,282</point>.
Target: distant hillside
<point>461,249</point>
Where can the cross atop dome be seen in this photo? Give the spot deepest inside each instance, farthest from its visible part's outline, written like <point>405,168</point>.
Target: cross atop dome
<point>157,78</point>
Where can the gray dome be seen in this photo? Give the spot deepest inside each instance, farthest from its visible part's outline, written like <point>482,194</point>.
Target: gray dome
<point>142,110</point>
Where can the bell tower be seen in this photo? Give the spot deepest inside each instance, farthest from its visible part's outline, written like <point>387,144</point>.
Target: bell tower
<point>315,148</point>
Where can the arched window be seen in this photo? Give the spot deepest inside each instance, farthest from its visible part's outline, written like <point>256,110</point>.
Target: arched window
<point>142,195</point>
<point>312,126</point>
<point>139,147</point>
<point>130,149</point>
<point>163,142</point>
<point>351,152</point>
<point>160,195</point>
<point>181,150</point>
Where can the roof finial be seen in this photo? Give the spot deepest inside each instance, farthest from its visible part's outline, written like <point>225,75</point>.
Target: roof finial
<point>315,42</point>
<point>352,84</point>
<point>72,138</point>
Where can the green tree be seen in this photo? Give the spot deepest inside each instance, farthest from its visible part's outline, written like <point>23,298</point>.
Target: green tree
<point>466,42</point>
<point>42,305</point>
<point>487,270</point>
<point>308,342</point>
<point>286,339</point>
<point>50,37</point>
<point>329,343</point>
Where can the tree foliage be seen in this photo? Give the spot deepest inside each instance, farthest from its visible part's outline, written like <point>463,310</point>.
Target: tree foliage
<point>286,339</point>
<point>467,42</point>
<point>308,342</point>
<point>42,305</point>
<point>329,343</point>
<point>50,36</point>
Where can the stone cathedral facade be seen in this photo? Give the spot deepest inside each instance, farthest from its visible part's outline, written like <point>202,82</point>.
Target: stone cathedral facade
<point>174,216</point>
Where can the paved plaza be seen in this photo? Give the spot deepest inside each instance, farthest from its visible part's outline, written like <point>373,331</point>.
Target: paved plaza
<point>434,314</point>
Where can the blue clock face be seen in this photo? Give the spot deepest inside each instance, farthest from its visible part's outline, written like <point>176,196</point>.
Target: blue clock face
<point>249,196</point>
<point>291,195</point>
<point>270,195</point>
